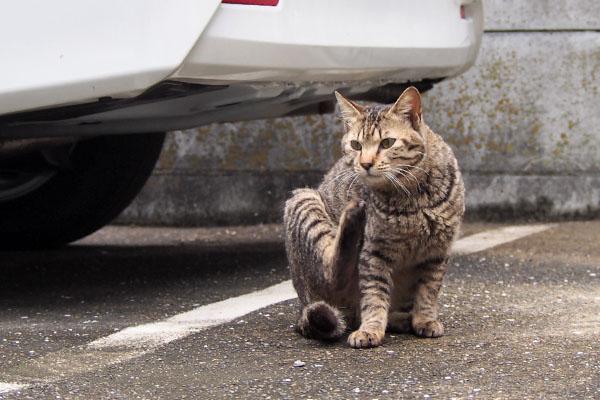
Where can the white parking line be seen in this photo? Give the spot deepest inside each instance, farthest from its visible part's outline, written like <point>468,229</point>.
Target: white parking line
<point>485,240</point>
<point>181,325</point>
<point>10,387</point>
<point>138,340</point>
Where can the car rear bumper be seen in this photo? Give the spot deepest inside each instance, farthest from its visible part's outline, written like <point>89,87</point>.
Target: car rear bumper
<point>336,40</point>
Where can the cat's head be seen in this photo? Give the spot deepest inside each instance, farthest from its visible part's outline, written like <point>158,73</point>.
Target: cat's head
<point>384,142</point>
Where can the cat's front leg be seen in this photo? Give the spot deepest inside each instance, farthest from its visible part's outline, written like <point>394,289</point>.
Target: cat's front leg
<point>375,282</point>
<point>424,318</point>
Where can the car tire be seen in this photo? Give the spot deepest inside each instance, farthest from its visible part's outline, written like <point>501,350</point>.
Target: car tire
<point>103,175</point>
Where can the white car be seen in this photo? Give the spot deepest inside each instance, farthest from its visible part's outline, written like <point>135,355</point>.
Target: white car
<point>78,78</point>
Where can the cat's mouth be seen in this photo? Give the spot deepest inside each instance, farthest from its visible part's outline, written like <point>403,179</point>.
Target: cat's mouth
<point>383,180</point>
<point>373,179</point>
<point>369,174</point>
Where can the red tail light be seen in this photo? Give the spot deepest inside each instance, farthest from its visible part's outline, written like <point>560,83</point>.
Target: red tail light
<point>253,2</point>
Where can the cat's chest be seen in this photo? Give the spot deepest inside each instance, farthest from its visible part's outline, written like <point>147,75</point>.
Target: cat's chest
<point>419,224</point>
<point>411,235</point>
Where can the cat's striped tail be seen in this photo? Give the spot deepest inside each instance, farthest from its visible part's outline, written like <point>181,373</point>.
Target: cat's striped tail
<point>321,321</point>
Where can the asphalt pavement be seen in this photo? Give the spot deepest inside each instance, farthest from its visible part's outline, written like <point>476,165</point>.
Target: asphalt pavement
<point>522,321</point>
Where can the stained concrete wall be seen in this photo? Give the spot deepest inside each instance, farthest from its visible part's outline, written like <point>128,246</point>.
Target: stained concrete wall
<point>524,124</point>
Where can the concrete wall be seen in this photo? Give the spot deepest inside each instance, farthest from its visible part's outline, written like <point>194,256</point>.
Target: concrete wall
<point>524,124</point>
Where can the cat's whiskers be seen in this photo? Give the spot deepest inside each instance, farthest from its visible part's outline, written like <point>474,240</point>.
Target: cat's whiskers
<point>343,177</point>
<point>402,172</point>
<point>396,182</point>
<point>350,186</point>
<point>402,184</point>
<point>389,176</point>
<point>395,178</point>
<point>343,173</point>
<point>413,166</point>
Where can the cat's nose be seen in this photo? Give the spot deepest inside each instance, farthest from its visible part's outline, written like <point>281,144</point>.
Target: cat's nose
<point>366,165</point>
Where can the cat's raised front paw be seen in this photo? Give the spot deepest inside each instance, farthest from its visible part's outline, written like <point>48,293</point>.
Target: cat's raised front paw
<point>429,329</point>
<point>362,339</point>
<point>354,216</point>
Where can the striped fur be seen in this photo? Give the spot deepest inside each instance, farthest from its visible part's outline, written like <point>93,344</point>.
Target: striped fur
<point>368,249</point>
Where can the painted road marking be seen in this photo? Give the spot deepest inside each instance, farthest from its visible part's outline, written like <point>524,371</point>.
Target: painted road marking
<point>181,325</point>
<point>138,340</point>
<point>10,387</point>
<point>485,240</point>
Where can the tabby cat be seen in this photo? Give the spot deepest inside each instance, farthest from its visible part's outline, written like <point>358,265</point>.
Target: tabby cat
<point>368,249</point>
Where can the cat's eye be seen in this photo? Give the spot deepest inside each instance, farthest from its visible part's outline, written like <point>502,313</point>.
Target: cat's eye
<point>387,143</point>
<point>355,145</point>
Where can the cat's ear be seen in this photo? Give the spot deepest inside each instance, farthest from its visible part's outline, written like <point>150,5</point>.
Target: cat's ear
<point>408,106</point>
<point>350,110</point>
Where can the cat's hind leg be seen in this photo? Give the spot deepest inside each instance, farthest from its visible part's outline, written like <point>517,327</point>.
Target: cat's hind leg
<point>346,246</point>
<point>348,238</point>
<point>313,237</point>
<point>321,321</point>
<point>400,315</point>
<point>399,322</point>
